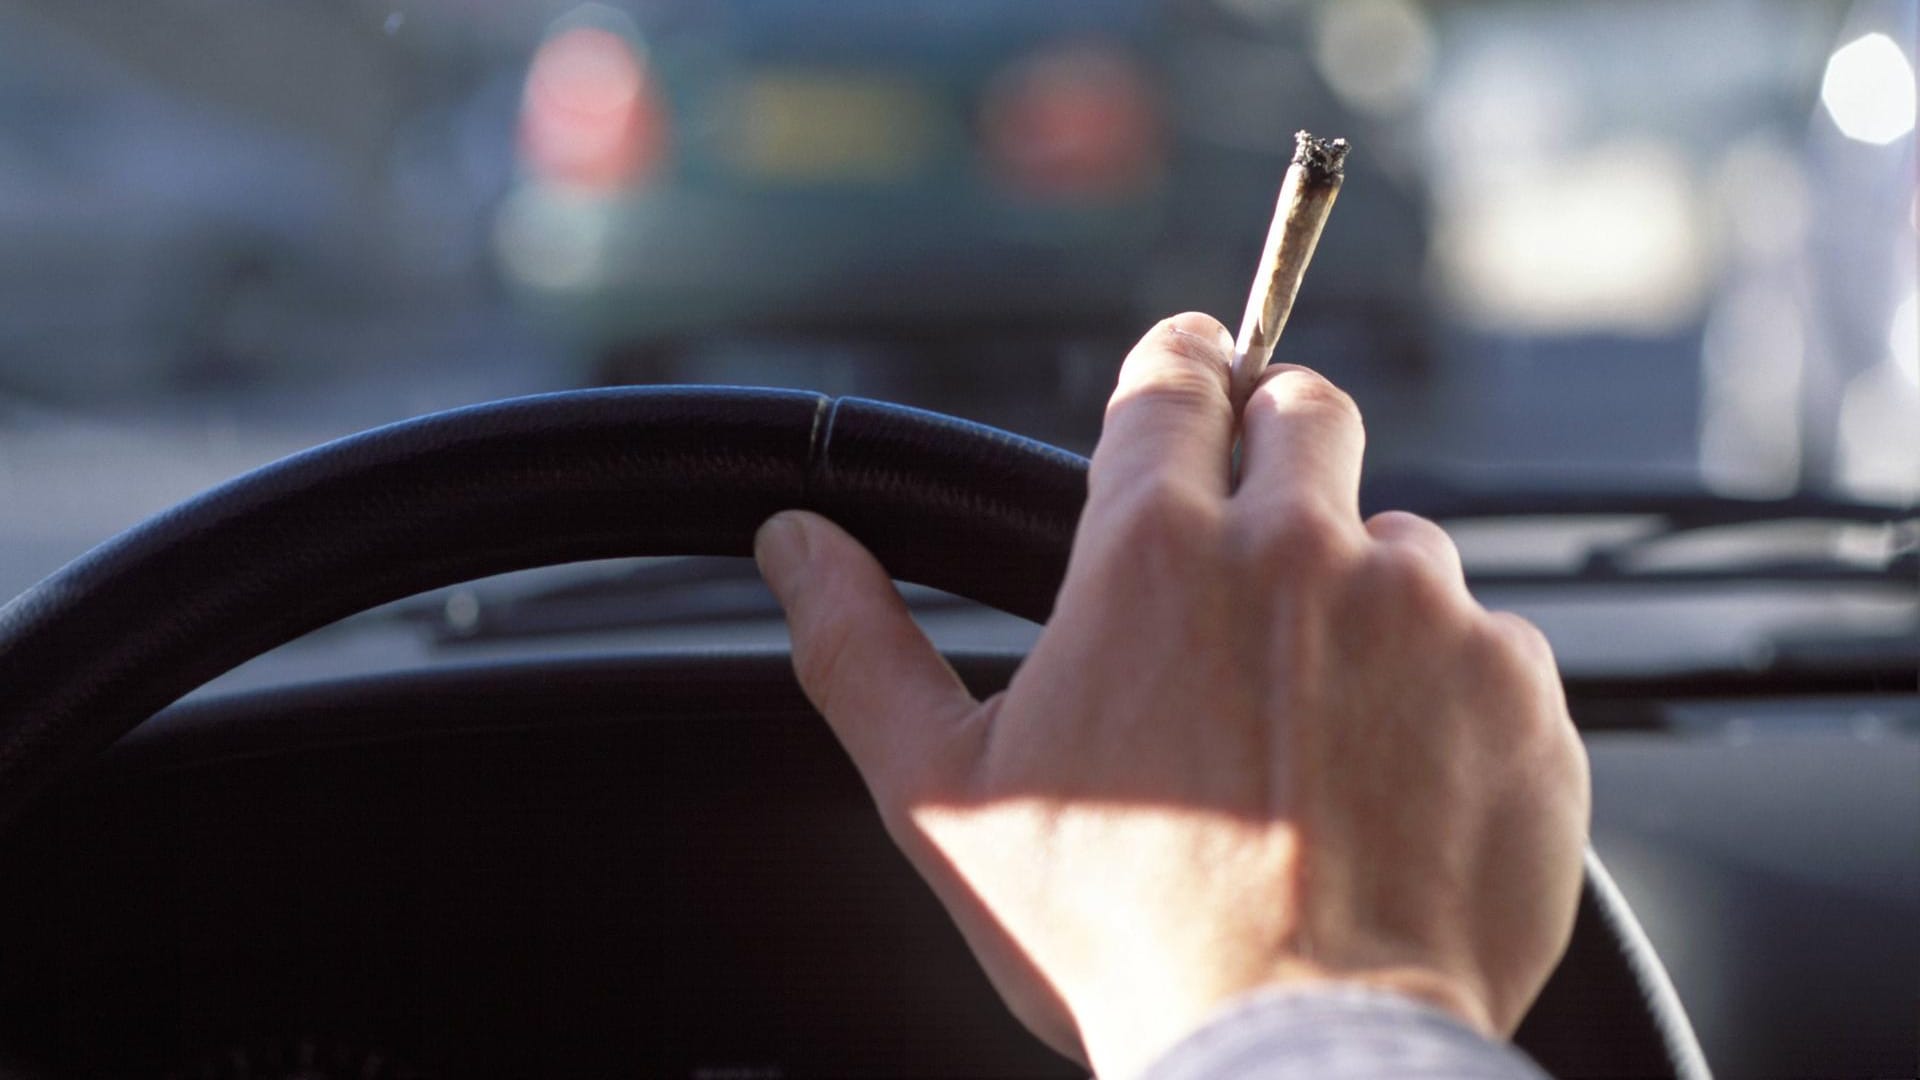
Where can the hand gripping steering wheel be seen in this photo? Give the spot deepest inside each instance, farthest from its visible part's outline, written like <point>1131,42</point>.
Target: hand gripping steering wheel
<point>121,632</point>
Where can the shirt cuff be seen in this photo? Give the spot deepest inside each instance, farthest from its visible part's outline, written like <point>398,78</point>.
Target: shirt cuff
<point>1337,1032</point>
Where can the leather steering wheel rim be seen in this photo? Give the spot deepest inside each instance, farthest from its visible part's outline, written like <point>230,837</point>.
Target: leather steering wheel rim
<point>155,612</point>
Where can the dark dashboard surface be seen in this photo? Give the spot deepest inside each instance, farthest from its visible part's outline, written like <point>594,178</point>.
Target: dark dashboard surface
<point>678,886</point>
<point>666,867</point>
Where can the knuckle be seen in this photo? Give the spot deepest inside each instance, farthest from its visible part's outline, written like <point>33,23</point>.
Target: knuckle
<point>1549,747</point>
<point>819,656</point>
<point>1164,515</point>
<point>1512,652</point>
<point>1305,390</point>
<point>1520,636</point>
<point>1579,766</point>
<point>1181,362</point>
<point>1392,525</point>
<point>1393,522</point>
<point>1304,540</point>
<point>1182,388</point>
<point>1413,582</point>
<point>1525,712</point>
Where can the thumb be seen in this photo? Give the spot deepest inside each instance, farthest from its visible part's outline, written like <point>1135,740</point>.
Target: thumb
<point>859,656</point>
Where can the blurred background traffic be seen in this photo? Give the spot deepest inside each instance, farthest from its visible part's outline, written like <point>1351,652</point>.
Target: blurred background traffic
<point>1647,242</point>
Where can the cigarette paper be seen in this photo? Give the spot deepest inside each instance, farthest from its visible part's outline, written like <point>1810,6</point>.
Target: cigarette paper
<point>1306,198</point>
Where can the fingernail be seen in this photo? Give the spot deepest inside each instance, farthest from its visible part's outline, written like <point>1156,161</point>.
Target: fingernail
<point>1223,340</point>
<point>780,549</point>
<point>1212,335</point>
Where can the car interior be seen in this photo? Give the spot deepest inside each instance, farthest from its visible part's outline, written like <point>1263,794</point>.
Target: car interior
<point>386,689</point>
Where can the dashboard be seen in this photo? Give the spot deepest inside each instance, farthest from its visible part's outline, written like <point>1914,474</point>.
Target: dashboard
<point>661,864</point>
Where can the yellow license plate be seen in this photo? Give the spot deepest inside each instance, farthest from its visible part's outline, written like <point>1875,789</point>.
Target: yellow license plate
<point>812,126</point>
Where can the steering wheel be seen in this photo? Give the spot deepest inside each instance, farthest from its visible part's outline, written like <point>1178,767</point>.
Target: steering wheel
<point>104,643</point>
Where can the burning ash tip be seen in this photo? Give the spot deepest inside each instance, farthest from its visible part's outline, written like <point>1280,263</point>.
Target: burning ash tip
<point>1324,159</point>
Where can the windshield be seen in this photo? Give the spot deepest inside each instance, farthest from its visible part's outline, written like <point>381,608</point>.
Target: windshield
<point>1614,247</point>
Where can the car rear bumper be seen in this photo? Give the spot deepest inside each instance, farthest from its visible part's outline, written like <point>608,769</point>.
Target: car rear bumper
<point>674,264</point>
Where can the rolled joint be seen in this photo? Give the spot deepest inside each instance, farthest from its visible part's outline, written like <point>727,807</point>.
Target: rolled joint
<point>1306,197</point>
<point>1321,160</point>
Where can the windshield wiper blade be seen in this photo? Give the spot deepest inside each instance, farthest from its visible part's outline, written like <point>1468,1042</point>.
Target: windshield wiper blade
<point>664,592</point>
<point>1603,568</point>
<point>1679,506</point>
<point>1895,651</point>
<point>1673,518</point>
<point>653,593</point>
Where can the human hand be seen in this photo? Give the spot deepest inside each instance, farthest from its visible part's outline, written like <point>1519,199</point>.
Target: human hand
<point>1260,741</point>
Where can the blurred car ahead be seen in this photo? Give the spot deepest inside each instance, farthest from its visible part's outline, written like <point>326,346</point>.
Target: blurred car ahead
<point>148,240</point>
<point>854,166</point>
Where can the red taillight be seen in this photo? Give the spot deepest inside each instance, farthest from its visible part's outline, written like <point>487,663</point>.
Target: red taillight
<point>591,117</point>
<point>1082,121</point>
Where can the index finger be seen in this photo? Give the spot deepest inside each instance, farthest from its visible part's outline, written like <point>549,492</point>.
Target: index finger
<point>1170,417</point>
<point>1301,444</point>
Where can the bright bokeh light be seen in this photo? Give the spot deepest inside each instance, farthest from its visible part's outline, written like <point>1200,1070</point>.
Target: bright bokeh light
<point>1879,458</point>
<point>1903,338</point>
<point>1752,366</point>
<point>1758,192</point>
<point>1377,55</point>
<point>550,241</point>
<point>1078,122</point>
<point>1868,90</point>
<point>1605,240</point>
<point>589,119</point>
<point>810,127</point>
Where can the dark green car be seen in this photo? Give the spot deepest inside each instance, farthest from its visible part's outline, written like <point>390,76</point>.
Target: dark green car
<point>825,166</point>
